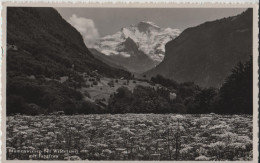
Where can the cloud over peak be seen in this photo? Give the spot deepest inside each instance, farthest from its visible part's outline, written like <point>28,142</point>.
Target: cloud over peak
<point>86,27</point>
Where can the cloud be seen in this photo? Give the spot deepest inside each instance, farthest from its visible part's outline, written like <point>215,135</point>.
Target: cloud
<point>86,27</point>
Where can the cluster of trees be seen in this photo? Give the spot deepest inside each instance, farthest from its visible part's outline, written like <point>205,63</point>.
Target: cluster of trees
<point>39,96</point>
<point>141,100</point>
<point>151,100</point>
<point>235,96</point>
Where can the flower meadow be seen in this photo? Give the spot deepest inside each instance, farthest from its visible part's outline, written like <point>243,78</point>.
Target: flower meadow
<point>130,137</point>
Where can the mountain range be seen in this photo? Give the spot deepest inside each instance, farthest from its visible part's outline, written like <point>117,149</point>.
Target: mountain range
<point>138,48</point>
<point>47,71</point>
<point>206,54</point>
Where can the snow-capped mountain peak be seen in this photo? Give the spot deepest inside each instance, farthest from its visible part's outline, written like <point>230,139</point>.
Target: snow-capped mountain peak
<point>149,38</point>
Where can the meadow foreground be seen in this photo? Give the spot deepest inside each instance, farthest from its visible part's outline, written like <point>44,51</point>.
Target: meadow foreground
<point>130,137</point>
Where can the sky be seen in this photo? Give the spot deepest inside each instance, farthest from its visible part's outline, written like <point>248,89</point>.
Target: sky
<point>94,23</point>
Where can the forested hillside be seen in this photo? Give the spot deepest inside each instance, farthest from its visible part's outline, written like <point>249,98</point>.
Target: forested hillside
<point>206,54</point>
<point>42,50</point>
<point>50,69</point>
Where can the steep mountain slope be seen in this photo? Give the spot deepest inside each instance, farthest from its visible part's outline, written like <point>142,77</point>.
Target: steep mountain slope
<point>41,37</point>
<point>138,47</point>
<point>206,54</point>
<point>106,59</point>
<point>130,57</point>
<point>46,63</point>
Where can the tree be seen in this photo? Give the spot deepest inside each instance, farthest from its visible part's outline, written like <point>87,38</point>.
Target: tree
<point>236,94</point>
<point>202,102</point>
<point>121,101</point>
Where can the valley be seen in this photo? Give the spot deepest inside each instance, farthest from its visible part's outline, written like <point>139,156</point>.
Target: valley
<point>47,70</point>
<point>143,93</point>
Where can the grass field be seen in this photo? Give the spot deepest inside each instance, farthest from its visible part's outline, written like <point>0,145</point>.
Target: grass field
<point>130,137</point>
<point>103,90</point>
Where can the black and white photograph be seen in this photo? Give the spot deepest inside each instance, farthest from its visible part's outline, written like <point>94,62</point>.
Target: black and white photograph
<point>129,83</point>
